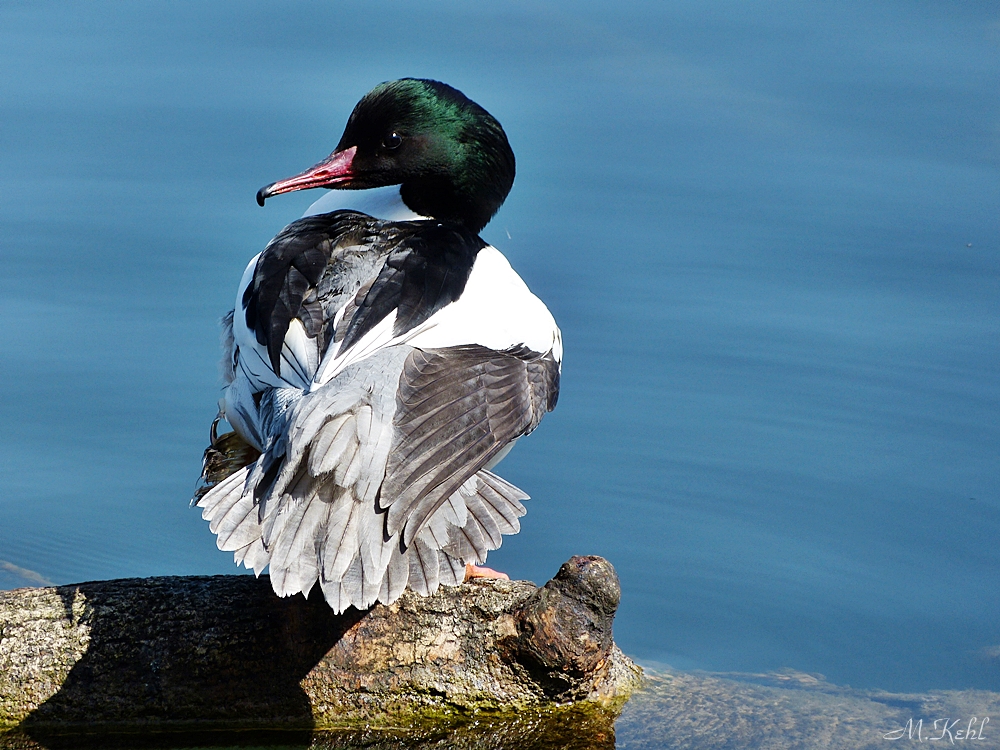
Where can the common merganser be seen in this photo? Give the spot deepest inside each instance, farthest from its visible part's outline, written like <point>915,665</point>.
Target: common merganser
<point>383,360</point>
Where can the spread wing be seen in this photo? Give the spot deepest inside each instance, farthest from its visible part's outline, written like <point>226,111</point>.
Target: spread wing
<point>371,491</point>
<point>457,408</point>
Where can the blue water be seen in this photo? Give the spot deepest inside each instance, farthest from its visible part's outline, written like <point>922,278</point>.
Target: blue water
<point>770,234</point>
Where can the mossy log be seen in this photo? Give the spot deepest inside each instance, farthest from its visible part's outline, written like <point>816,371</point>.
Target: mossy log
<point>223,652</point>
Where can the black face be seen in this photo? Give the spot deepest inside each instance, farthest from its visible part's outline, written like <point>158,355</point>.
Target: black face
<point>406,129</point>
<point>451,157</point>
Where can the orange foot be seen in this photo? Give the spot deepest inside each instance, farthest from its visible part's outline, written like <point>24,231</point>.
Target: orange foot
<point>475,571</point>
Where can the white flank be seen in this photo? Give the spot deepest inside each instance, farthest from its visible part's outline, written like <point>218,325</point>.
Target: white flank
<point>496,310</point>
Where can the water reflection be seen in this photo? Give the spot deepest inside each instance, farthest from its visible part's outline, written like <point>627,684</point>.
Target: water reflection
<point>572,727</point>
<point>675,710</point>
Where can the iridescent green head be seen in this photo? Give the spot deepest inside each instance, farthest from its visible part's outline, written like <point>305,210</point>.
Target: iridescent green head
<point>449,156</point>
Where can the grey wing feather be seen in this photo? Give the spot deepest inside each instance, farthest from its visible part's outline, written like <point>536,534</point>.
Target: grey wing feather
<point>493,507</point>
<point>457,408</point>
<point>503,499</point>
<point>318,504</point>
<point>253,556</point>
<point>231,514</point>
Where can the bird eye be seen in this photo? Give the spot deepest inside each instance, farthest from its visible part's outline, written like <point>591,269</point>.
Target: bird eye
<point>392,140</point>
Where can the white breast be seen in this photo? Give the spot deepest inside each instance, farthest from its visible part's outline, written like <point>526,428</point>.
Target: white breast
<point>382,203</point>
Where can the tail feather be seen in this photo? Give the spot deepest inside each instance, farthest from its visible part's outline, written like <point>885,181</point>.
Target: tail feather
<point>333,592</point>
<point>397,575</point>
<point>309,509</point>
<point>253,556</point>
<point>340,545</point>
<point>219,502</point>
<point>485,521</point>
<point>424,568</point>
<point>504,499</point>
<point>360,586</point>
<point>293,551</point>
<point>469,540</point>
<point>451,570</point>
<point>331,442</point>
<point>231,515</point>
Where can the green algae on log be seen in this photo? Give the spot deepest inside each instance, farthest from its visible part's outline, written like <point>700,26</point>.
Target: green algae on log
<point>222,652</point>
<point>576,726</point>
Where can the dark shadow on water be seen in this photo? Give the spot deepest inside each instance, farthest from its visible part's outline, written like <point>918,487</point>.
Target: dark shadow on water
<point>570,728</point>
<point>912,705</point>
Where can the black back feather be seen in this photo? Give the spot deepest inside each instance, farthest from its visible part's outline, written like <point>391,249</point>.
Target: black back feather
<point>426,271</point>
<point>317,264</point>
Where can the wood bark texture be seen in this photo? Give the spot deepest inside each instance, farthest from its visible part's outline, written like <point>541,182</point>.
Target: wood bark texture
<point>223,652</point>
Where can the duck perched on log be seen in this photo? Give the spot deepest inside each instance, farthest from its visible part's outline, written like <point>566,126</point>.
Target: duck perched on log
<point>382,358</point>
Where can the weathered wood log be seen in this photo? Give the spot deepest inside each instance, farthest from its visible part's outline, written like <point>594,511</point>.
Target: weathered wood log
<point>176,653</point>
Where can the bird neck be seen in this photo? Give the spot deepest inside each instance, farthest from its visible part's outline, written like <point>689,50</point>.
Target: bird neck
<point>439,197</point>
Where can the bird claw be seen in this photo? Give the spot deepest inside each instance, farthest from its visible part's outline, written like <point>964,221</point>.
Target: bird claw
<point>213,432</point>
<point>475,571</point>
